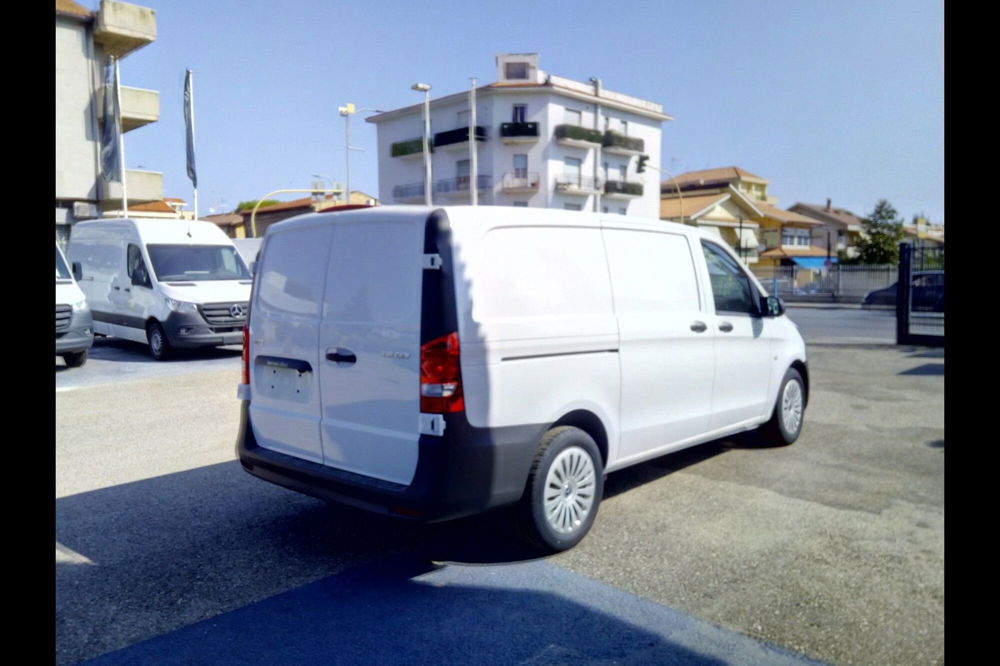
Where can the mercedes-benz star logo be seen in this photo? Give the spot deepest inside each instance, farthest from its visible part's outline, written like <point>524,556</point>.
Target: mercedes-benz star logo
<point>238,311</point>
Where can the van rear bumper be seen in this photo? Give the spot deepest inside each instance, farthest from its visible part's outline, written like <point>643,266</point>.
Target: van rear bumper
<point>467,470</point>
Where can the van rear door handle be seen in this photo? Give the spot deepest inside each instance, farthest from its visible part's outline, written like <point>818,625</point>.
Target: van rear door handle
<point>699,327</point>
<point>341,355</point>
<point>725,327</point>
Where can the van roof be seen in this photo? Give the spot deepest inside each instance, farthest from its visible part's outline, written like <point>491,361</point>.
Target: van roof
<point>488,214</point>
<point>195,232</point>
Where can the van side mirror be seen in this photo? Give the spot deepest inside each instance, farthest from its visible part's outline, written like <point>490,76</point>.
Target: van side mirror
<point>77,271</point>
<point>772,306</point>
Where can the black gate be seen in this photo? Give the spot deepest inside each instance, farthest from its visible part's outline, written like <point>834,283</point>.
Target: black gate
<point>920,304</point>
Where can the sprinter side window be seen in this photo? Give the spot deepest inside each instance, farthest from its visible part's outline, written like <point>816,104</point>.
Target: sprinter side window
<point>137,271</point>
<point>731,286</point>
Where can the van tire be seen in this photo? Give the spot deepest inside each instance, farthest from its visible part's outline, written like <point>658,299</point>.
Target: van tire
<point>75,359</point>
<point>789,408</point>
<point>159,345</point>
<point>566,456</point>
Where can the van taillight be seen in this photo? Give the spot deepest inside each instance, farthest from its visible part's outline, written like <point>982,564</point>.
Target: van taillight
<point>440,376</point>
<point>246,354</point>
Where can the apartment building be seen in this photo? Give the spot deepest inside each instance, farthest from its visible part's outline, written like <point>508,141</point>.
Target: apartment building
<point>541,141</point>
<point>85,43</point>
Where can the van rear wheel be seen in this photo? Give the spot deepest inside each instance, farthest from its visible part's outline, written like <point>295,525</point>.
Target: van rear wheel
<point>75,359</point>
<point>159,345</point>
<point>564,488</point>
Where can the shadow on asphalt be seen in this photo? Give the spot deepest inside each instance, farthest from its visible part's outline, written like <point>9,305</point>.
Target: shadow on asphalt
<point>932,369</point>
<point>143,559</point>
<point>127,351</point>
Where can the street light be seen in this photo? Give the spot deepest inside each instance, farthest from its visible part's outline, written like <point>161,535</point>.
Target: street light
<point>425,89</point>
<point>347,111</point>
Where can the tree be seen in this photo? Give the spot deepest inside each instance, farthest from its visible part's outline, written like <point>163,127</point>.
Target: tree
<point>248,205</point>
<point>883,229</point>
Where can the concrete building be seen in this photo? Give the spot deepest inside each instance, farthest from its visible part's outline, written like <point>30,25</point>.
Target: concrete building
<point>541,141</point>
<point>85,43</point>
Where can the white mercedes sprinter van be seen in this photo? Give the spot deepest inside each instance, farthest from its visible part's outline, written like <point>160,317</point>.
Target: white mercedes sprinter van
<point>168,283</point>
<point>432,363</point>
<point>74,327</point>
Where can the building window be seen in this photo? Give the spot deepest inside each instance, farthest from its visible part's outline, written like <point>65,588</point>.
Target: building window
<point>623,211</point>
<point>520,204</point>
<point>573,206</point>
<point>516,70</point>
<point>604,209</point>
<point>462,172</point>
<point>520,113</point>
<point>521,166</point>
<point>622,170</point>
<point>463,119</point>
<point>572,170</point>
<point>792,236</point>
<point>573,117</point>
<point>625,127</point>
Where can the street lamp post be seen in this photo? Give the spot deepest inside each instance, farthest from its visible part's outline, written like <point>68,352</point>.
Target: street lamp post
<point>347,111</point>
<point>425,89</point>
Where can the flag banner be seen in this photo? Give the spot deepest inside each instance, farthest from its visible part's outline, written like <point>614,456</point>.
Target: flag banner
<point>111,128</point>
<point>189,122</point>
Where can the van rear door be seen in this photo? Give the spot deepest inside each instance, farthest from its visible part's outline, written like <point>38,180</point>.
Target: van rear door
<point>369,344</point>
<point>284,333</point>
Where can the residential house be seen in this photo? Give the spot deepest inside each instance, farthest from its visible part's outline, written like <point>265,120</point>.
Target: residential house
<point>85,44</point>
<point>734,205</point>
<point>541,141</point>
<point>253,224</point>
<point>839,229</point>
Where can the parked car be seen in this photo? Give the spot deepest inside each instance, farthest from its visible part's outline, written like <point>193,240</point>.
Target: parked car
<point>168,283</point>
<point>430,363</point>
<point>926,292</point>
<point>74,325</point>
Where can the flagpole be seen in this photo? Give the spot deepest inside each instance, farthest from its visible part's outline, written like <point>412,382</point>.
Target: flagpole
<point>191,113</point>
<point>121,137</point>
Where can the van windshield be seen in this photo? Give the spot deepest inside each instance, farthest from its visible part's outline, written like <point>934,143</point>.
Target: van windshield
<point>62,273</point>
<point>196,263</point>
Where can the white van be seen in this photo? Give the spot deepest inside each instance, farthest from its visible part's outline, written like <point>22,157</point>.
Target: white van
<point>168,283</point>
<point>432,363</point>
<point>74,326</point>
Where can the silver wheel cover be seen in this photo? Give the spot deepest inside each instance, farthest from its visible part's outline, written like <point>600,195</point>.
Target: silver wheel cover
<point>569,490</point>
<point>156,341</point>
<point>791,407</point>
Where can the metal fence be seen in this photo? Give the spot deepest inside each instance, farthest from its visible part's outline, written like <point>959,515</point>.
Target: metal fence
<point>835,283</point>
<point>920,296</point>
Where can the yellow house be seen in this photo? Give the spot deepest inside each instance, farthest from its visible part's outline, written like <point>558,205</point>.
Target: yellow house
<point>733,204</point>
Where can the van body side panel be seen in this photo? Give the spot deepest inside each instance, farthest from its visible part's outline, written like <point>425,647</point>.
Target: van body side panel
<point>371,314</point>
<point>537,327</point>
<point>666,352</point>
<point>284,333</point>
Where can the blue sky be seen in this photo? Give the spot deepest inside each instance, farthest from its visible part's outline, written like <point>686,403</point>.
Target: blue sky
<point>827,99</point>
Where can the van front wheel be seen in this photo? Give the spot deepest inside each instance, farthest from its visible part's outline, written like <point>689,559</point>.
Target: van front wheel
<point>786,421</point>
<point>159,346</point>
<point>565,487</point>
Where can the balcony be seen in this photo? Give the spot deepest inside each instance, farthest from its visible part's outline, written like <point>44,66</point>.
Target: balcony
<point>519,182</point>
<point>620,144</point>
<point>460,186</point>
<point>622,189</point>
<point>573,184</point>
<point>514,133</point>
<point>410,148</point>
<point>121,27</point>
<point>577,137</point>
<point>458,138</point>
<point>139,107</point>
<point>409,193</point>
<point>143,187</point>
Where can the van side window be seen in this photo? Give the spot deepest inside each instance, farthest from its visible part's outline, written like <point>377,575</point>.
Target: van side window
<point>731,287</point>
<point>137,271</point>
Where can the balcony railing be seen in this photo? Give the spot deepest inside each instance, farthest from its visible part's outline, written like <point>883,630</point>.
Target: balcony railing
<point>456,136</point>
<point>410,147</point>
<point>139,107</point>
<point>462,183</point>
<point>573,184</point>
<point>623,188</point>
<point>614,142</point>
<point>568,133</point>
<point>514,132</point>
<point>411,191</point>
<point>519,181</point>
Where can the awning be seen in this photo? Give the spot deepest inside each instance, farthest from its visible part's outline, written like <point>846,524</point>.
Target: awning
<point>814,263</point>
